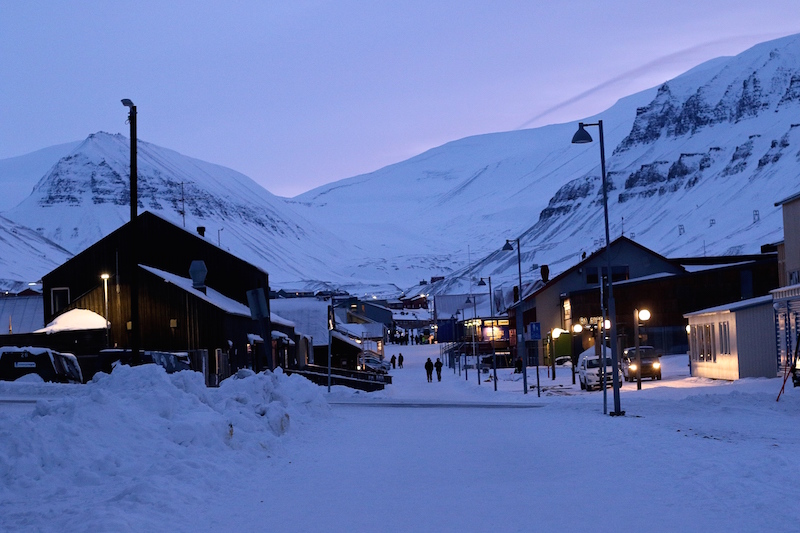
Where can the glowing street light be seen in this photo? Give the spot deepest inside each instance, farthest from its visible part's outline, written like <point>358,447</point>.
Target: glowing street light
<point>643,316</point>
<point>581,137</point>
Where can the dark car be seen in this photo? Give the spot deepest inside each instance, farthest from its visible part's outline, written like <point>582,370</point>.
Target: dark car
<point>651,363</point>
<point>48,364</point>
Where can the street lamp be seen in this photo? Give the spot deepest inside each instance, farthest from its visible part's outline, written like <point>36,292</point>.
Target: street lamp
<point>581,137</point>
<point>508,247</point>
<point>555,334</point>
<point>576,329</point>
<point>134,244</point>
<point>474,325</point>
<point>105,277</point>
<point>482,283</point>
<point>644,316</point>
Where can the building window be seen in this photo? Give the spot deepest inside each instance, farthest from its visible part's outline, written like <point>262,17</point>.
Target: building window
<point>591,276</point>
<point>724,338</point>
<point>59,299</point>
<point>703,343</point>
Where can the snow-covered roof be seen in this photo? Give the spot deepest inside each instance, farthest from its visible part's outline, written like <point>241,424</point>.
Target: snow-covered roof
<point>23,313</point>
<point>701,268</point>
<point>411,314</point>
<point>658,275</point>
<point>211,296</point>
<point>309,316</point>
<point>374,330</point>
<point>344,338</point>
<point>732,307</point>
<point>75,320</point>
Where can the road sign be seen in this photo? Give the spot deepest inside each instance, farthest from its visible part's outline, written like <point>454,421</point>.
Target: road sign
<point>535,329</point>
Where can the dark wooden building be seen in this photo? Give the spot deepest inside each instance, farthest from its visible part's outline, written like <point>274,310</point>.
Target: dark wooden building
<point>173,315</point>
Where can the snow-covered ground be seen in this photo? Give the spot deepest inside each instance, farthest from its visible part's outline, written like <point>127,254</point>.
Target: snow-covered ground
<point>143,451</point>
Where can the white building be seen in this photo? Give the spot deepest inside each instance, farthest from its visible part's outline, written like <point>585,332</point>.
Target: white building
<point>734,341</point>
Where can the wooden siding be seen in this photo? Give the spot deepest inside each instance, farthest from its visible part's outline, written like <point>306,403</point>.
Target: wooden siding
<point>757,345</point>
<point>162,245</point>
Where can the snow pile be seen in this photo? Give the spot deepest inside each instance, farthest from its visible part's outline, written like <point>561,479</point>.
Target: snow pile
<point>140,436</point>
<point>75,320</point>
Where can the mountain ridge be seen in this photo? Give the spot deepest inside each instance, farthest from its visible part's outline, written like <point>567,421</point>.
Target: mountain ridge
<point>694,166</point>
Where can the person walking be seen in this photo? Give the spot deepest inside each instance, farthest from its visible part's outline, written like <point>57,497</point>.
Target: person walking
<point>393,360</point>
<point>400,360</point>
<point>429,369</point>
<point>438,366</point>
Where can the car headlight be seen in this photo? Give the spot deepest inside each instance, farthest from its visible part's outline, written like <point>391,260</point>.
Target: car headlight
<point>632,367</point>
<point>656,365</point>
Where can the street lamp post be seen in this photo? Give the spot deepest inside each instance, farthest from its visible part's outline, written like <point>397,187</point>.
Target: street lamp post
<point>105,277</point>
<point>577,329</point>
<point>134,244</point>
<point>581,137</point>
<point>555,334</point>
<point>492,329</point>
<point>471,300</point>
<point>644,316</point>
<point>520,334</point>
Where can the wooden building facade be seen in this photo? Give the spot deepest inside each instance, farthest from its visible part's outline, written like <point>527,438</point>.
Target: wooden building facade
<point>172,315</point>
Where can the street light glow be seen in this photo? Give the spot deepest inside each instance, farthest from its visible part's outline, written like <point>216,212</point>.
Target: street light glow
<point>644,315</point>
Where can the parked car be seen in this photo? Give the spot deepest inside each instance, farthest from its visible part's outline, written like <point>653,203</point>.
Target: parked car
<point>589,372</point>
<point>564,360</point>
<point>372,362</point>
<point>48,364</point>
<point>651,363</point>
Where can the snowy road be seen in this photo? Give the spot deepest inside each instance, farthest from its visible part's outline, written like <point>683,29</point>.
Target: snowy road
<point>141,453</point>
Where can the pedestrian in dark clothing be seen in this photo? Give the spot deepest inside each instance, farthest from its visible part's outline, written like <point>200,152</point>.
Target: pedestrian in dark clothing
<point>400,360</point>
<point>393,360</point>
<point>429,369</point>
<point>438,366</point>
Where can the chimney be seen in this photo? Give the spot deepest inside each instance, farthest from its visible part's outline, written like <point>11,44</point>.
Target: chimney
<point>198,271</point>
<point>201,230</point>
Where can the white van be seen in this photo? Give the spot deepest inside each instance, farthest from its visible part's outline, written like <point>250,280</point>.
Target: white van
<point>589,369</point>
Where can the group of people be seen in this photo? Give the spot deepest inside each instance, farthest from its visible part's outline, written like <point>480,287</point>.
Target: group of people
<point>430,365</point>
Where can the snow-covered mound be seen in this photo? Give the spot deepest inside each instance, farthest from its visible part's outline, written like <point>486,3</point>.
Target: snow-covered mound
<point>140,436</point>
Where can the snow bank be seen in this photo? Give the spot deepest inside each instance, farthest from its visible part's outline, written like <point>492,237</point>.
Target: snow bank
<point>142,436</point>
<point>75,320</point>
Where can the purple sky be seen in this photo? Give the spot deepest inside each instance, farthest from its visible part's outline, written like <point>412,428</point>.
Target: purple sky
<point>302,93</point>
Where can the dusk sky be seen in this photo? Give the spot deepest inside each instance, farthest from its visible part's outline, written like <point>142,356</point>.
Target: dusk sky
<point>298,94</point>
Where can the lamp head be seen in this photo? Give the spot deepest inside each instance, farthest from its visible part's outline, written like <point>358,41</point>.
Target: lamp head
<point>127,103</point>
<point>508,247</point>
<point>469,301</point>
<point>644,315</point>
<point>581,136</point>
<point>481,283</point>
<point>577,328</point>
<point>104,276</point>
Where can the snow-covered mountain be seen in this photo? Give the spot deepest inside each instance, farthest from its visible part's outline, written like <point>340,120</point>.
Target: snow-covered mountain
<point>694,167</point>
<point>86,195</point>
